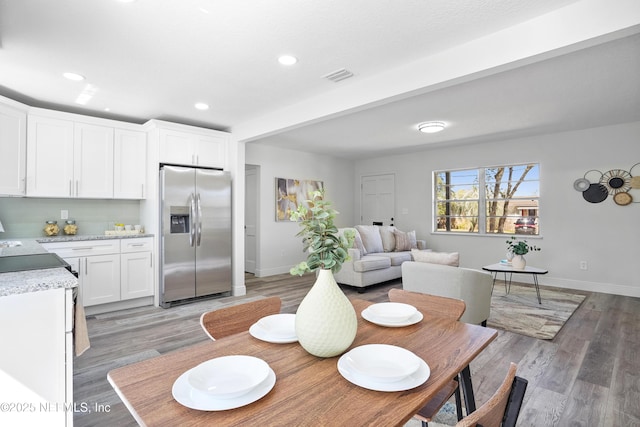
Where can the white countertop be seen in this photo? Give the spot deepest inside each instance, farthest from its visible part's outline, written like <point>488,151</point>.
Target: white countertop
<point>20,282</point>
<point>65,238</point>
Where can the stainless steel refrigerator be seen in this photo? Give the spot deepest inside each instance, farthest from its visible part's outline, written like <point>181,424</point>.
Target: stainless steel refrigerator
<point>196,233</point>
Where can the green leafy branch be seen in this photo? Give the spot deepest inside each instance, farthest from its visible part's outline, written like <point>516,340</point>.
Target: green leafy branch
<point>326,249</point>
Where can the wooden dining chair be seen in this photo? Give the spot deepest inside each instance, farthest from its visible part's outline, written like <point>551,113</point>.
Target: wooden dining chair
<point>450,308</point>
<point>238,318</point>
<point>503,408</point>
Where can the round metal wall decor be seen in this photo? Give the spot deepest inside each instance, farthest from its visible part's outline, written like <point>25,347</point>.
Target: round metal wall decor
<point>596,193</point>
<point>582,184</point>
<point>622,199</point>
<point>635,179</point>
<point>616,181</point>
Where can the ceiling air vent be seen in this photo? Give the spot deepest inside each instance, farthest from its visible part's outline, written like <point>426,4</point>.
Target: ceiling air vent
<point>338,75</point>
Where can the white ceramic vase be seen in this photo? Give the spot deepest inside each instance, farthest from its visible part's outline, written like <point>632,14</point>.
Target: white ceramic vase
<point>510,256</point>
<point>326,322</point>
<point>519,262</point>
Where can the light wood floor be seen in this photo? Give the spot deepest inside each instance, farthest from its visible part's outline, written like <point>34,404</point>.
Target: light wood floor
<point>589,375</point>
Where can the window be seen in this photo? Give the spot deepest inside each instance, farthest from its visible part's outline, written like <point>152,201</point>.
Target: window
<point>493,200</point>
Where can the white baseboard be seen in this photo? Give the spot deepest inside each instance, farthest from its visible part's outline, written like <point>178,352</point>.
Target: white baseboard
<point>272,271</point>
<point>581,285</point>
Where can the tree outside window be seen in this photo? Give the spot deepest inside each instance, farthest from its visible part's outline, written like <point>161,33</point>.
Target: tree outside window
<point>492,200</point>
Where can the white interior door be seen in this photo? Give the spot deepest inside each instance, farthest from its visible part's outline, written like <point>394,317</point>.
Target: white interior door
<point>378,199</point>
<point>250,218</point>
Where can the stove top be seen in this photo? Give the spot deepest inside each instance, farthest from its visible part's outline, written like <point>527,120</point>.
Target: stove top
<point>31,262</point>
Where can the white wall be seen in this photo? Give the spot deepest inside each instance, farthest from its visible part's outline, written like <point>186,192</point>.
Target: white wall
<point>278,247</point>
<point>605,234</point>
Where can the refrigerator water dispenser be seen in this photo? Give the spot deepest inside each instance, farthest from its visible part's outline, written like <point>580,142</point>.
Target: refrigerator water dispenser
<point>179,219</point>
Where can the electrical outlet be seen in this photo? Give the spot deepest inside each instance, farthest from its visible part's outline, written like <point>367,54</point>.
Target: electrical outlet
<point>583,265</point>
<point>64,214</point>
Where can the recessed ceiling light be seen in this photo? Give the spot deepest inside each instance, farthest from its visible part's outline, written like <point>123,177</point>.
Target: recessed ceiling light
<point>73,76</point>
<point>431,127</point>
<point>287,60</point>
<point>202,106</point>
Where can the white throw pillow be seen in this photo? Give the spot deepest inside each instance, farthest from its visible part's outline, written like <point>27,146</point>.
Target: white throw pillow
<point>444,258</point>
<point>405,241</point>
<point>357,243</point>
<point>370,238</point>
<point>388,238</point>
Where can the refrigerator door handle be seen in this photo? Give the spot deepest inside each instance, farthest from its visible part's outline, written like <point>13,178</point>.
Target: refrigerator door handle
<point>192,218</point>
<point>199,208</point>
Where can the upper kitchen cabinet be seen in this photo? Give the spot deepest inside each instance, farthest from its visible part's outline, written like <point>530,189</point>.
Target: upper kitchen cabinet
<point>74,156</point>
<point>50,157</point>
<point>93,161</point>
<point>13,147</point>
<point>191,146</point>
<point>67,159</point>
<point>130,164</point>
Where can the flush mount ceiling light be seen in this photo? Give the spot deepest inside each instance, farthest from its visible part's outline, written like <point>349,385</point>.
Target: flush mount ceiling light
<point>431,127</point>
<point>73,76</point>
<point>201,106</point>
<point>287,60</point>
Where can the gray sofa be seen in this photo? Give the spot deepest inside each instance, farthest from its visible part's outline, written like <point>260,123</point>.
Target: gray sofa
<point>377,255</point>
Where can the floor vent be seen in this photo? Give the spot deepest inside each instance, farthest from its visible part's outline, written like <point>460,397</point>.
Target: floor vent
<point>338,75</point>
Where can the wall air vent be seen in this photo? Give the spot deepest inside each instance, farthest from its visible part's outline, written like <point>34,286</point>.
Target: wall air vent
<point>338,75</point>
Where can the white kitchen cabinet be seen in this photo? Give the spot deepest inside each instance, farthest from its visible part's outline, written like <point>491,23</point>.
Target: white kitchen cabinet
<point>93,161</point>
<point>130,164</point>
<point>136,268</point>
<point>100,279</point>
<point>109,270</point>
<point>13,150</point>
<point>97,263</point>
<point>36,358</point>
<point>49,157</point>
<point>204,148</point>
<point>67,159</point>
<point>74,156</point>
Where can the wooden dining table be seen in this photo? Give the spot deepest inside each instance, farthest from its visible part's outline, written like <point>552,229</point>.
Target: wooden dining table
<point>309,390</point>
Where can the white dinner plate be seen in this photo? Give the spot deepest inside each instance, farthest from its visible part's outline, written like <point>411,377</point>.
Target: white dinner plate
<point>228,377</point>
<point>194,399</point>
<point>277,328</point>
<point>420,376</point>
<point>368,315</point>
<point>382,362</point>
<point>395,312</point>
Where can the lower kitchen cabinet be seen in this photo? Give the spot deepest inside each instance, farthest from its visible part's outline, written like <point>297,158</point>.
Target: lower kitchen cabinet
<point>100,279</point>
<point>109,270</point>
<point>136,269</point>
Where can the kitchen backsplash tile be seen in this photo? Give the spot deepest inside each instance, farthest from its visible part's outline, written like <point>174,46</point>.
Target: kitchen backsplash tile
<point>25,217</point>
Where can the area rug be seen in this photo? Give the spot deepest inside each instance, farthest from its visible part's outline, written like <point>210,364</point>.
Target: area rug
<point>519,311</point>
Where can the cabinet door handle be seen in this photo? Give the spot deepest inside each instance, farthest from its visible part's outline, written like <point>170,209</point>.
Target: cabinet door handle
<point>77,193</point>
<point>70,187</point>
<point>87,248</point>
<point>86,267</point>
<point>142,191</point>
<point>136,244</point>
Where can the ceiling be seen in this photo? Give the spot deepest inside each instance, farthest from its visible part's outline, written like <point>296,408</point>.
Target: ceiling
<point>489,69</point>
